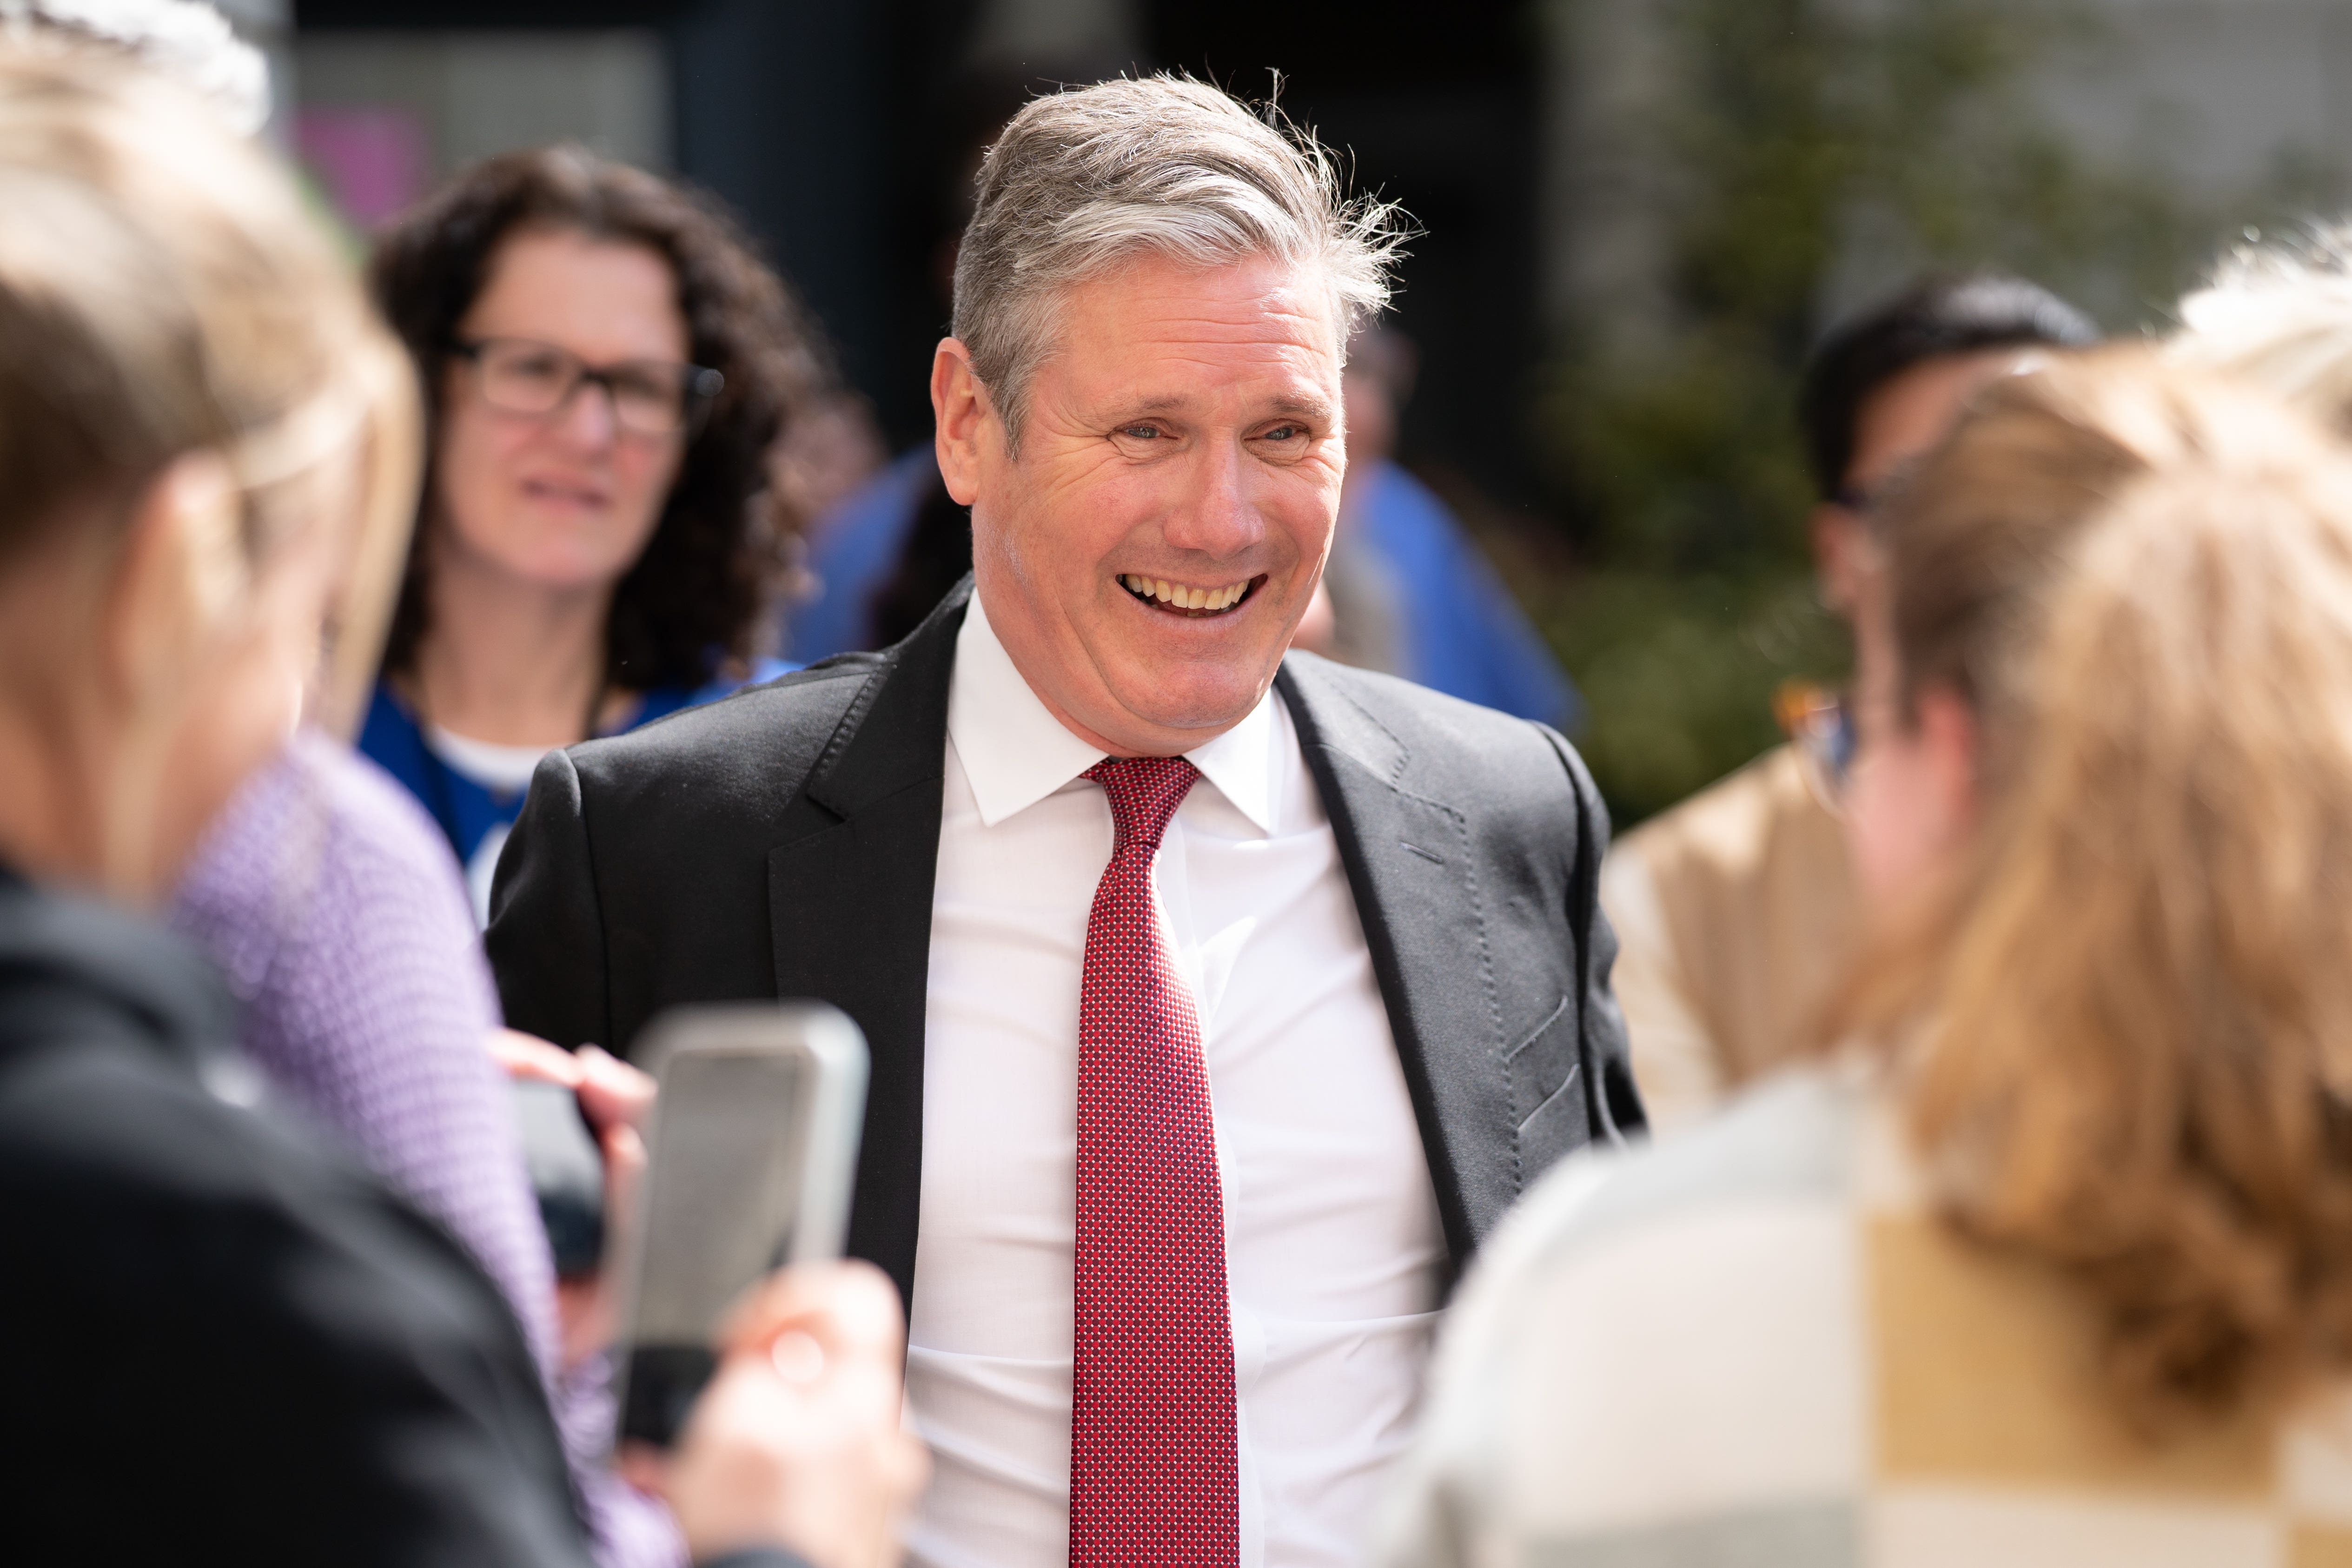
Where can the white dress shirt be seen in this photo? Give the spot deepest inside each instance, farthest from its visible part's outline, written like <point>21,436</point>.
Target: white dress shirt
<point>1333,1249</point>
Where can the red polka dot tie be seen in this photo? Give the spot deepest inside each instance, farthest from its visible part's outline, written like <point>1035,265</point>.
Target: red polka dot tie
<point>1151,1420</point>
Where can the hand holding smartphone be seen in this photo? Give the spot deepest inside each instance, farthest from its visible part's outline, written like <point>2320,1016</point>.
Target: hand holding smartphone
<point>798,1440</point>
<point>752,1152</point>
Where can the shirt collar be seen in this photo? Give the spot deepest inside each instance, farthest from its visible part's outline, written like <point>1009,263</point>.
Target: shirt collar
<point>1016,752</point>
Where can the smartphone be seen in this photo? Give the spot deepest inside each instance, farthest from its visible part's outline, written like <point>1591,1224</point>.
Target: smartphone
<point>566,1171</point>
<point>751,1154</point>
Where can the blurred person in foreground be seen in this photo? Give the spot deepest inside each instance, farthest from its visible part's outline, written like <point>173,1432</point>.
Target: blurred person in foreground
<point>236,1343</point>
<point>2051,1268</point>
<point>1410,594</point>
<point>607,369</point>
<point>1220,1002</point>
<point>321,892</point>
<point>1736,911</point>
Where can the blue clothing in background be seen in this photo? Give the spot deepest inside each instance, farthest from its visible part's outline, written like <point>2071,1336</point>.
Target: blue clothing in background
<point>854,551</point>
<point>469,813</point>
<point>1460,630</point>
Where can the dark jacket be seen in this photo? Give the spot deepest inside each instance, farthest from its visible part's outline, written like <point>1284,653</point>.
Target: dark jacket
<point>225,1342</point>
<point>784,842</point>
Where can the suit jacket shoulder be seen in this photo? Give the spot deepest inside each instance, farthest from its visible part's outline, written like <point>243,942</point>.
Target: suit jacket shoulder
<point>1517,770</point>
<point>1473,843</point>
<point>732,750</point>
<point>779,843</point>
<point>629,859</point>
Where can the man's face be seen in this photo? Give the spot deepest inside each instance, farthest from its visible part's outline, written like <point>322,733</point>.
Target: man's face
<point>1899,423</point>
<point>1147,555</point>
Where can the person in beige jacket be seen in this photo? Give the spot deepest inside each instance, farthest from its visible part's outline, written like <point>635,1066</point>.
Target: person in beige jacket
<point>1735,912</point>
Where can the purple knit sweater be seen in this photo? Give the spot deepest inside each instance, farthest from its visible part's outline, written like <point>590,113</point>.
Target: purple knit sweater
<point>333,903</point>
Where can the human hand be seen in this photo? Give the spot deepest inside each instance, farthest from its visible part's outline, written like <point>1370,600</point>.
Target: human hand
<point>616,1098</point>
<point>797,1442</point>
<point>612,1092</point>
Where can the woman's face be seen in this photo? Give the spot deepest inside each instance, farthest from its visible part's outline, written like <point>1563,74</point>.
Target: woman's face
<point>567,500</point>
<point>1910,799</point>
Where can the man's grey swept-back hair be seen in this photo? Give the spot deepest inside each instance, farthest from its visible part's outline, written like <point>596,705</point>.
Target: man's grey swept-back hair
<point>2280,315</point>
<point>1080,179</point>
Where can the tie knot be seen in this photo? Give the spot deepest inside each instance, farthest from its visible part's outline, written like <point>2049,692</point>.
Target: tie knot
<point>1144,793</point>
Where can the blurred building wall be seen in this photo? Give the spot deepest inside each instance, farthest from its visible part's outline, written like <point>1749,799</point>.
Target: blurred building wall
<point>784,110</point>
<point>2221,90</point>
<point>479,92</point>
<point>2212,101</point>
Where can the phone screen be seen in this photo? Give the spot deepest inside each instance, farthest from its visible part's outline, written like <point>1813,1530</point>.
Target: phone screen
<point>718,1216</point>
<point>752,1136</point>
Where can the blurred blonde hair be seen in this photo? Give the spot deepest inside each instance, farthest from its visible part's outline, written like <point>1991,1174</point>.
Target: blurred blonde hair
<point>2280,315</point>
<point>163,292</point>
<point>2137,1046</point>
<point>188,40</point>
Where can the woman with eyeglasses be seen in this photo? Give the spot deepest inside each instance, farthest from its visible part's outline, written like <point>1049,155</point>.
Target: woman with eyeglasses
<point>606,367</point>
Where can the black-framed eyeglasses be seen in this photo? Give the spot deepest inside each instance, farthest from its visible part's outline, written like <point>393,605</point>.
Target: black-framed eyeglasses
<point>650,397</point>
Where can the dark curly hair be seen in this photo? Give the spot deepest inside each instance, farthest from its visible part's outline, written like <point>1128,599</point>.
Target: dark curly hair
<point>696,591</point>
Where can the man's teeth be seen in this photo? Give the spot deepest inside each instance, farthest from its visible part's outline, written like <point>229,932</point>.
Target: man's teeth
<point>1182,598</point>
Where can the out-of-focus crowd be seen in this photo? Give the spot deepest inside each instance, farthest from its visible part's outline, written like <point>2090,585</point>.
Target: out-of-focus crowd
<point>1993,1032</point>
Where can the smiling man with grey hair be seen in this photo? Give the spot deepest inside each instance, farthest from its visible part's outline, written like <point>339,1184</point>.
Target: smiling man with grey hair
<point>1220,1000</point>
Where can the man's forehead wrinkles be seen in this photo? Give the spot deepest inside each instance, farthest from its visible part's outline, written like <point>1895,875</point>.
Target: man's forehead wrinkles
<point>1203,308</point>
<point>1176,332</point>
<point>1298,400</point>
<point>1141,375</point>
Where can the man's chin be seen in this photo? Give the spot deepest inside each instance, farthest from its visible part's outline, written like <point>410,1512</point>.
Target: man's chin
<point>1177,715</point>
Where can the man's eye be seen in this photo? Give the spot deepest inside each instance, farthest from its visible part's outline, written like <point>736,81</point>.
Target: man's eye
<point>1142,431</point>
<point>1286,433</point>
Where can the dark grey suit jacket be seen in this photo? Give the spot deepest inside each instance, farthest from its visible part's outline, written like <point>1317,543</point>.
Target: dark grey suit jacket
<point>784,843</point>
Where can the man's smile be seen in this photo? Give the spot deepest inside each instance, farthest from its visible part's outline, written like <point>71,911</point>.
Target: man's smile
<point>1183,599</point>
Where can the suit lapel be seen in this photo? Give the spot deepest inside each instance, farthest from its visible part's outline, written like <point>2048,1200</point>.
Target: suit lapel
<point>1409,863</point>
<point>849,899</point>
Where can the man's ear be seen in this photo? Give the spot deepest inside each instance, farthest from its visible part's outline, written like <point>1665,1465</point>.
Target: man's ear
<point>963,419</point>
<point>181,574</point>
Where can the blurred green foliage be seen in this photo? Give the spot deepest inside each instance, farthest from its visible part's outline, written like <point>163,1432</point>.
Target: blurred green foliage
<point>1800,133</point>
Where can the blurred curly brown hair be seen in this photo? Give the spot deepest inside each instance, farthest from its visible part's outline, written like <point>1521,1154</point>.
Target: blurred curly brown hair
<point>694,596</point>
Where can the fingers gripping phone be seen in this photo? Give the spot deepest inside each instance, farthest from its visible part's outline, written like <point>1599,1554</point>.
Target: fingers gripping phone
<point>567,1173</point>
<point>750,1155</point>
